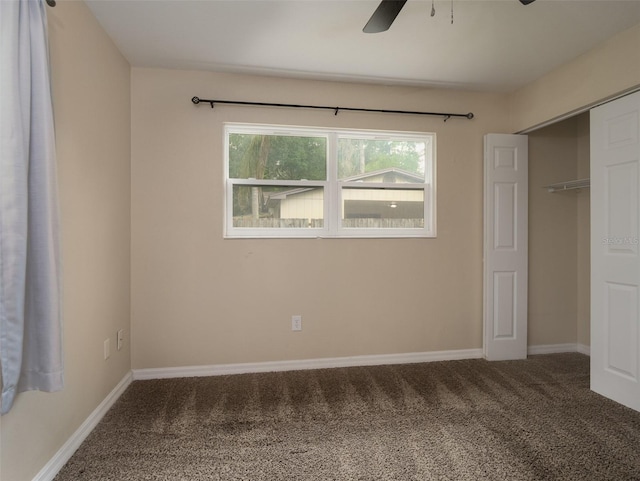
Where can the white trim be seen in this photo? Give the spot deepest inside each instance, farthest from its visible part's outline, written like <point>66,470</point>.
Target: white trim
<point>55,464</point>
<point>303,364</point>
<point>558,348</point>
<point>583,349</point>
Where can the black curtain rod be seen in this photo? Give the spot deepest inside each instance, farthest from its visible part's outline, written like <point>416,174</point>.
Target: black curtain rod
<point>446,116</point>
<point>51,3</point>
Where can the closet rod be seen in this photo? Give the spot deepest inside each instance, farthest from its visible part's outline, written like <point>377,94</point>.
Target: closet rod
<point>446,116</point>
<point>568,185</point>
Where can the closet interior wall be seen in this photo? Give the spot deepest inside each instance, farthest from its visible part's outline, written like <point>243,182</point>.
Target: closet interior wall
<point>559,244</point>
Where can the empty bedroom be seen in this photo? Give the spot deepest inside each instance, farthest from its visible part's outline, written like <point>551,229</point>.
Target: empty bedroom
<point>320,240</point>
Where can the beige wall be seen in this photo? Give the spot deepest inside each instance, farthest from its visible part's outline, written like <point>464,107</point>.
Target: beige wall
<point>601,73</point>
<point>234,298</point>
<point>92,114</point>
<point>198,299</point>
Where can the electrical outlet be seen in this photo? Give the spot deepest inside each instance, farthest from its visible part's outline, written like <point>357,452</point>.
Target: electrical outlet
<point>296,323</point>
<point>107,349</point>
<point>120,339</point>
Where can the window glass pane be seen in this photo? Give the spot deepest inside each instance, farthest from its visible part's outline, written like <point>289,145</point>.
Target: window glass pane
<point>278,207</point>
<point>377,208</point>
<point>277,157</point>
<point>373,160</point>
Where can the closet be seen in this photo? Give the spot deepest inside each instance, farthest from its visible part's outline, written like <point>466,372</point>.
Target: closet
<point>581,244</point>
<point>559,236</point>
<point>536,257</point>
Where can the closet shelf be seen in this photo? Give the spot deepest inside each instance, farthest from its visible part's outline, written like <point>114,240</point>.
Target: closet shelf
<point>568,185</point>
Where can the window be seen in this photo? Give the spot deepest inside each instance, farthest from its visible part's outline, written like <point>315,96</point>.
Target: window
<point>303,182</point>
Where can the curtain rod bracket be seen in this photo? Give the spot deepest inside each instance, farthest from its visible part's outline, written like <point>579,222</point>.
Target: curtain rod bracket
<point>446,115</point>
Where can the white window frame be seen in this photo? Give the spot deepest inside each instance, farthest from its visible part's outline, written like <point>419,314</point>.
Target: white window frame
<point>332,186</point>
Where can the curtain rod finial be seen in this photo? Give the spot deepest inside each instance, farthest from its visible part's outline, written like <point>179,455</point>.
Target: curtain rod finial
<point>51,3</point>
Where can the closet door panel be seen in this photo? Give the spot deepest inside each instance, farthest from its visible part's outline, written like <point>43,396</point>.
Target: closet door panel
<point>505,246</point>
<point>615,263</point>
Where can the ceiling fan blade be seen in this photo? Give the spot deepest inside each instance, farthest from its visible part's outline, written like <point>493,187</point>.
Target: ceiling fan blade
<point>526,2</point>
<point>384,16</point>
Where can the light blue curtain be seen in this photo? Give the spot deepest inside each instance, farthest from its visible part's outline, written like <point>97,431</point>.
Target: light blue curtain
<point>30,283</point>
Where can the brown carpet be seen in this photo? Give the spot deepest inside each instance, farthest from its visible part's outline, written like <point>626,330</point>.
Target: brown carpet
<point>455,420</point>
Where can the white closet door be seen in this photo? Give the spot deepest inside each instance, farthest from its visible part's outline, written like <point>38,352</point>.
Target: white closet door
<point>505,246</point>
<point>615,261</point>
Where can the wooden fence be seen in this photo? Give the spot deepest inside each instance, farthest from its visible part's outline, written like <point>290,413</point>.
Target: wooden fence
<point>362,223</point>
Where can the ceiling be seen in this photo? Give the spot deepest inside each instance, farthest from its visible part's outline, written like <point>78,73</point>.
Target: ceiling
<point>491,45</point>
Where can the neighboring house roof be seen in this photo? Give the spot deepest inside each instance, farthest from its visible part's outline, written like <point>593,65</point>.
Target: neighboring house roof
<point>389,170</point>
<point>284,194</point>
<point>398,173</point>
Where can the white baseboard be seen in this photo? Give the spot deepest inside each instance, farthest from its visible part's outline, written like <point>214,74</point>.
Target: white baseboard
<point>584,349</point>
<point>558,348</point>
<point>321,363</point>
<point>242,368</point>
<point>55,464</point>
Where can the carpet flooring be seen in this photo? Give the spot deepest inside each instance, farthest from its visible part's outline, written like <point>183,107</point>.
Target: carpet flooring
<point>456,420</point>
